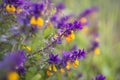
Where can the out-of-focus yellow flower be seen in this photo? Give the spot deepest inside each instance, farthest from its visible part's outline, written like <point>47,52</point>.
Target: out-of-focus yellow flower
<point>70,37</point>
<point>28,48</point>
<point>49,73</point>
<point>37,21</point>
<point>97,51</point>
<point>83,20</point>
<point>54,68</point>
<point>62,70</point>
<point>10,8</point>
<point>13,76</point>
<point>75,63</point>
<point>50,68</point>
<point>68,65</point>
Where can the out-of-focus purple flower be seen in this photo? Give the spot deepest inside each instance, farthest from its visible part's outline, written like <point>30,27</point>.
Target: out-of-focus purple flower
<point>65,57</point>
<point>100,77</point>
<point>53,59</point>
<point>60,6</point>
<point>94,44</point>
<point>15,58</point>
<point>80,75</point>
<point>77,25</point>
<point>81,54</point>
<point>14,61</point>
<point>36,9</point>
<point>13,2</point>
<point>88,11</point>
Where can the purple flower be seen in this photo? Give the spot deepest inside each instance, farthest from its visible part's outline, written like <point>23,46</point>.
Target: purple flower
<point>14,61</point>
<point>13,2</point>
<point>60,6</point>
<point>100,77</point>
<point>37,9</point>
<point>88,11</point>
<point>53,59</point>
<point>81,54</point>
<point>65,57</point>
<point>94,44</point>
<point>77,25</point>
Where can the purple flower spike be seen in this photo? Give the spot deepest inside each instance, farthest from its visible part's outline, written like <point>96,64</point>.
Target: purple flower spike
<point>54,59</point>
<point>81,54</point>
<point>88,11</point>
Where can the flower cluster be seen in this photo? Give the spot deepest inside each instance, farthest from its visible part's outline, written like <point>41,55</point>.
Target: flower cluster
<point>26,19</point>
<point>68,59</point>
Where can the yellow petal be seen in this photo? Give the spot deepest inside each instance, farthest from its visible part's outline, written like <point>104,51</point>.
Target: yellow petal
<point>13,76</point>
<point>40,22</point>
<point>70,37</point>
<point>50,68</point>
<point>33,21</point>
<point>83,20</point>
<point>62,70</point>
<point>75,63</point>
<point>97,51</point>
<point>49,73</point>
<point>10,8</point>
<point>54,68</point>
<point>68,65</point>
<point>28,48</point>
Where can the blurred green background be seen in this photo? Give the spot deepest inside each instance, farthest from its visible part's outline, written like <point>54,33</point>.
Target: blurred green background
<point>107,62</point>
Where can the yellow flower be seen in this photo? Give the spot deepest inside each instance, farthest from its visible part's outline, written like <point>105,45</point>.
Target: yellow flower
<point>75,63</point>
<point>28,48</point>
<point>54,68</point>
<point>37,21</point>
<point>68,65</point>
<point>50,68</point>
<point>70,37</point>
<point>62,70</point>
<point>10,8</point>
<point>40,22</point>
<point>49,73</point>
<point>13,76</point>
<point>97,51</point>
<point>83,20</point>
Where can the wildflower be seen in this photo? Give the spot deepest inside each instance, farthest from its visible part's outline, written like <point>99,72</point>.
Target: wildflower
<point>75,63</point>
<point>27,47</point>
<point>62,70</point>
<point>60,6</point>
<point>37,21</point>
<point>49,73</point>
<point>70,37</point>
<point>88,11</point>
<point>13,76</point>
<point>68,65</point>
<point>83,20</point>
<point>10,8</point>
<point>100,77</point>
<point>53,59</point>
<point>15,61</point>
<point>97,50</point>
